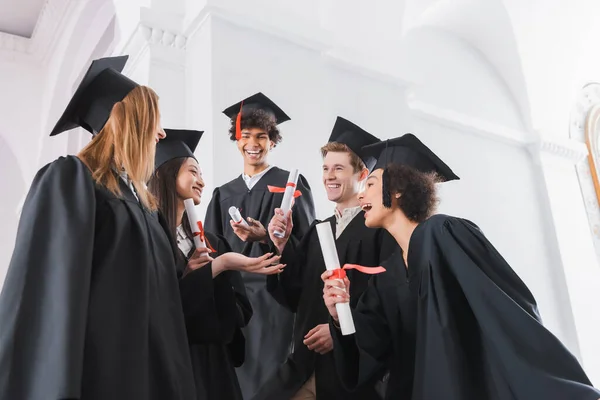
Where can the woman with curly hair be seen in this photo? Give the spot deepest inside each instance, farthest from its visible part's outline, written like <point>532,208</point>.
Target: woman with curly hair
<point>449,318</point>
<point>254,127</point>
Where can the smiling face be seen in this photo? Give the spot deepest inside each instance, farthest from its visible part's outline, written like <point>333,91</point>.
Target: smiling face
<point>340,180</point>
<point>189,181</point>
<point>254,146</point>
<point>371,201</point>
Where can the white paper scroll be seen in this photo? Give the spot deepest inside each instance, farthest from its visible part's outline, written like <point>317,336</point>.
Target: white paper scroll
<point>332,263</point>
<point>288,196</point>
<point>190,209</point>
<point>235,215</point>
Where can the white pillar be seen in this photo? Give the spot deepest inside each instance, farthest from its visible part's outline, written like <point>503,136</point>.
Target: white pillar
<point>575,248</point>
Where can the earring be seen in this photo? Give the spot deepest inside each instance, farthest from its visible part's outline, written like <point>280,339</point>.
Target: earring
<point>397,195</point>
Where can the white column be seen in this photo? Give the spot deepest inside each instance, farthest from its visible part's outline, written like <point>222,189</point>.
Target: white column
<point>575,247</point>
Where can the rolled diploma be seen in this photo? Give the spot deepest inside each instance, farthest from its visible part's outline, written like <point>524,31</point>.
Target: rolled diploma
<point>332,263</point>
<point>288,196</point>
<point>236,216</point>
<point>190,209</point>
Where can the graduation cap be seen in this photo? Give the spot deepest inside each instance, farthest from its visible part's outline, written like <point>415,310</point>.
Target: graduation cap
<point>102,86</point>
<point>355,138</point>
<point>179,143</point>
<point>407,150</point>
<point>257,101</point>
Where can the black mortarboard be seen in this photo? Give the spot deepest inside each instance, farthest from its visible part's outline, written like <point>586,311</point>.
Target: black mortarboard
<point>178,143</point>
<point>407,150</point>
<point>257,101</point>
<point>355,138</point>
<point>102,86</point>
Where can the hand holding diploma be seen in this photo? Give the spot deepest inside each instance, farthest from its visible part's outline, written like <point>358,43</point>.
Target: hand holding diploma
<point>196,226</point>
<point>252,231</point>
<point>281,223</point>
<point>289,194</point>
<point>236,217</point>
<point>332,263</point>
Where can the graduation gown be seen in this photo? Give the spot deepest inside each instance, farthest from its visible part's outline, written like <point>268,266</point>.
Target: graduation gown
<point>300,288</point>
<point>214,330</point>
<point>91,307</point>
<point>269,334</point>
<point>459,324</point>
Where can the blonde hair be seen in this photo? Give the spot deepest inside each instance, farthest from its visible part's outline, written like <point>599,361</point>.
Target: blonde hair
<point>127,142</point>
<point>335,147</point>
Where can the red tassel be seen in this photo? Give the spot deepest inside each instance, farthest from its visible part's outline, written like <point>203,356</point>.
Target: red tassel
<point>238,123</point>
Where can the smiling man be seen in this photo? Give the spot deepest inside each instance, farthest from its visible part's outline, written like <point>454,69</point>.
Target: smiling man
<point>309,372</point>
<point>257,192</point>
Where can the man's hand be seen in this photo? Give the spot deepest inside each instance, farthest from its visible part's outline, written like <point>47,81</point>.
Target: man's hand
<point>319,340</point>
<point>254,232</point>
<point>280,223</point>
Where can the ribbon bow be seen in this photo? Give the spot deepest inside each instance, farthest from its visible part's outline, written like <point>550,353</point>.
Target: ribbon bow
<point>341,272</point>
<point>276,189</point>
<point>203,237</point>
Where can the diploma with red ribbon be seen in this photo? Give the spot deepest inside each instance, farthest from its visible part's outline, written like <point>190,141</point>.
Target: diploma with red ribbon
<point>200,241</point>
<point>289,193</point>
<point>332,263</point>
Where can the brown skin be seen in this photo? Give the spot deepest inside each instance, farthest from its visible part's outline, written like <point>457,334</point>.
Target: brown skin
<point>254,146</point>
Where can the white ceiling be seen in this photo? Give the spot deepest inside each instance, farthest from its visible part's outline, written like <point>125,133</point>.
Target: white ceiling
<point>19,17</point>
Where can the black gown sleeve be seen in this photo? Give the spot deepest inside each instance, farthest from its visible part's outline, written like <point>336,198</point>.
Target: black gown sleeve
<point>286,287</point>
<point>214,308</point>
<point>44,301</point>
<point>303,212</point>
<point>363,355</point>
<point>213,221</point>
<point>500,321</point>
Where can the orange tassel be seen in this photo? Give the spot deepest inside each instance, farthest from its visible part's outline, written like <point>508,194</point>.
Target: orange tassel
<point>238,123</point>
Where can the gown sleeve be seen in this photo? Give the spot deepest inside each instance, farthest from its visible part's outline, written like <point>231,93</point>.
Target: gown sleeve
<point>286,287</point>
<point>303,213</point>
<point>44,301</point>
<point>363,355</point>
<point>214,308</point>
<point>213,219</point>
<point>469,294</point>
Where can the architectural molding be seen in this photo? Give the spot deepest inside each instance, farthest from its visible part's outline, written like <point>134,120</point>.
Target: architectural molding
<point>569,150</point>
<point>45,34</point>
<point>469,124</point>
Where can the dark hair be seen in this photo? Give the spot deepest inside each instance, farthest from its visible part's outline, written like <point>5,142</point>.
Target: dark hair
<point>163,185</point>
<point>418,195</point>
<point>257,118</point>
<point>334,147</point>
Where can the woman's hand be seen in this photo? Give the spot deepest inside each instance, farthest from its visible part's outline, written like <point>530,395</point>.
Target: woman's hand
<point>335,291</point>
<point>267,264</point>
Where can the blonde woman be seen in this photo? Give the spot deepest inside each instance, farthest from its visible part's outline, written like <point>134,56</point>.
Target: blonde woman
<point>91,308</point>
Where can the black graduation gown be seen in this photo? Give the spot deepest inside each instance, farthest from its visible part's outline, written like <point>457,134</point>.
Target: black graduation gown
<point>459,325</point>
<point>299,287</point>
<point>214,331</point>
<point>91,307</point>
<point>269,334</point>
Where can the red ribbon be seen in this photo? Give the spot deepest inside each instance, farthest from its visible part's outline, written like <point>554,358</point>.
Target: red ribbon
<point>238,123</point>
<point>203,237</point>
<point>341,272</point>
<point>276,189</point>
